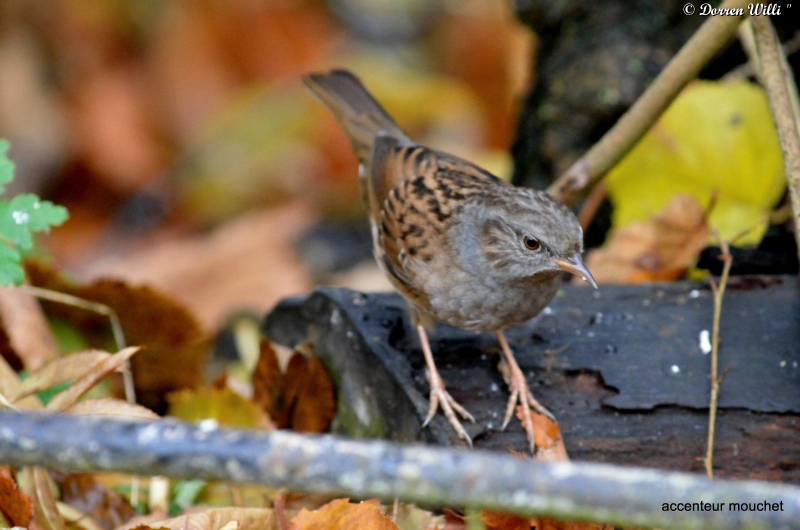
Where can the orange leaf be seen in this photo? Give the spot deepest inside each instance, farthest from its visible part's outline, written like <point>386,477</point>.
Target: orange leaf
<point>316,403</point>
<point>15,505</point>
<point>504,521</point>
<point>547,434</point>
<point>341,514</point>
<point>661,249</point>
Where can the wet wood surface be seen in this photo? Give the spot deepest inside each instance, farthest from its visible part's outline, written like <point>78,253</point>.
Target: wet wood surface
<point>621,368</point>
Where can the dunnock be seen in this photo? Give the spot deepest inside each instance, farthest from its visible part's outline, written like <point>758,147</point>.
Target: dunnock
<point>462,246</point>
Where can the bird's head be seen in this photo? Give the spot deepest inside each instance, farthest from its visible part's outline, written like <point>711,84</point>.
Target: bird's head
<point>525,233</point>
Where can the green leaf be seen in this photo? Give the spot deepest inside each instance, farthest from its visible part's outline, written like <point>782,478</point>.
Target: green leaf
<point>185,496</point>
<point>25,214</point>
<point>11,272</point>
<point>715,136</point>
<point>6,166</point>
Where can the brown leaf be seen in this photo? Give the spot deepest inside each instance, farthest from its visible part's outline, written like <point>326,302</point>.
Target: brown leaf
<point>60,369</point>
<point>247,263</point>
<point>661,249</point>
<point>268,381</point>
<point>87,495</point>
<point>315,407</point>
<point>111,407</point>
<point>14,504</point>
<point>98,372</point>
<point>504,521</point>
<point>549,524</point>
<point>25,329</point>
<point>224,405</point>
<point>174,345</point>
<point>10,385</point>
<point>341,514</point>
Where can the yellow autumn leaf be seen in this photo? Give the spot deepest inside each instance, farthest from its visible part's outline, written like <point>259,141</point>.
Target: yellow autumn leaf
<point>714,136</point>
<point>224,405</point>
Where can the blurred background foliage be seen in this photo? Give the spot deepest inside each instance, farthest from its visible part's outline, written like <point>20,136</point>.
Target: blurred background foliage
<point>159,124</point>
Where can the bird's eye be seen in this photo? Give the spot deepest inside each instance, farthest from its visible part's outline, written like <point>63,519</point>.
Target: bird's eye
<point>531,243</point>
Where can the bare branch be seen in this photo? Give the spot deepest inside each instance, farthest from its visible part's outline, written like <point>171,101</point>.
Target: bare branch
<point>432,476</point>
<point>715,33</point>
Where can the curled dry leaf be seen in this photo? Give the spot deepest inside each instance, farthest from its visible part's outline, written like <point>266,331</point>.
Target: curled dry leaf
<point>14,504</point>
<point>25,335</point>
<point>661,249</point>
<point>70,396</point>
<point>303,399</point>
<point>341,514</point>
<point>547,434</point>
<point>215,519</point>
<point>60,369</point>
<point>112,407</point>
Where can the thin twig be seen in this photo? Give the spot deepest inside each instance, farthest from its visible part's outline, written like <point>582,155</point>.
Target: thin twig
<point>716,381</point>
<point>715,32</point>
<point>776,82</point>
<point>747,69</point>
<point>119,340</point>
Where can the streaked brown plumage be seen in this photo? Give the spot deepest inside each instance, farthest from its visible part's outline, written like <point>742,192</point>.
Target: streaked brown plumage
<point>462,246</point>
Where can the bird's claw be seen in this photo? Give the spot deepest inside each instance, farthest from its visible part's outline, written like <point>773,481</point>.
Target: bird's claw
<point>521,394</point>
<point>440,397</point>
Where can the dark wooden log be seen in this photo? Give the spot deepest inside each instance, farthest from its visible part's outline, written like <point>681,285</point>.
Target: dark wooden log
<point>621,368</point>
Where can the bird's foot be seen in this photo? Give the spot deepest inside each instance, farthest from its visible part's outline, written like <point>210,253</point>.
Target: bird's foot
<point>440,397</point>
<point>521,394</point>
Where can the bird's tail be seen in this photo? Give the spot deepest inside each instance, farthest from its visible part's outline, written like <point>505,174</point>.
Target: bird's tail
<point>360,115</point>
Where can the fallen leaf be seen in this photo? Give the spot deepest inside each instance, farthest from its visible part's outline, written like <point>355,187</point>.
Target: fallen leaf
<point>68,397</point>
<point>268,381</point>
<point>248,263</point>
<point>59,370</point>
<point>111,407</point>
<point>315,404</point>
<point>547,435</point>
<point>223,405</point>
<point>25,328</point>
<point>14,504</point>
<point>215,519</point>
<point>175,347</point>
<point>504,521</point>
<point>714,138</point>
<point>661,249</point>
<point>341,514</point>
<point>87,495</point>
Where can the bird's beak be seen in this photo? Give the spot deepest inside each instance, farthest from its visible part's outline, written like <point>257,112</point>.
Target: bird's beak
<point>575,265</point>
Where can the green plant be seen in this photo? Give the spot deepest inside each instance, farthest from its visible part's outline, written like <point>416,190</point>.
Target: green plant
<point>20,218</point>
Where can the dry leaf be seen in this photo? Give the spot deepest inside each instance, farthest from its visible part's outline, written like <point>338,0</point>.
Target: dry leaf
<point>221,404</point>
<point>15,505</point>
<point>547,434</point>
<point>268,382</point>
<point>174,345</point>
<point>661,249</point>
<point>37,482</point>
<point>248,263</point>
<point>98,372</point>
<point>108,508</point>
<point>315,405</point>
<point>25,330</point>
<point>341,514</point>
<point>216,518</point>
<point>303,399</point>
<point>113,408</point>
<point>60,369</point>
<point>504,521</point>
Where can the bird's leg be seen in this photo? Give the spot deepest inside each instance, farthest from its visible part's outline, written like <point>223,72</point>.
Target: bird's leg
<point>439,395</point>
<point>520,392</point>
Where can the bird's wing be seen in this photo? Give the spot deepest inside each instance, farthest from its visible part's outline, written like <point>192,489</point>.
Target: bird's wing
<point>413,193</point>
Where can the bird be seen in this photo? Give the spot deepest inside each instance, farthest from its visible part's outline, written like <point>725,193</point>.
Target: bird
<point>462,246</point>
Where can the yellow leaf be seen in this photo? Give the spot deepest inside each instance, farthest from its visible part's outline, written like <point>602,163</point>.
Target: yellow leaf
<point>715,136</point>
<point>221,404</point>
